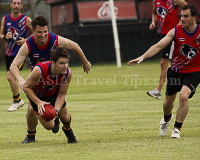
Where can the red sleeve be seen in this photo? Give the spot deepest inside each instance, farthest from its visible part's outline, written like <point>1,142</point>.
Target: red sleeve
<point>28,46</point>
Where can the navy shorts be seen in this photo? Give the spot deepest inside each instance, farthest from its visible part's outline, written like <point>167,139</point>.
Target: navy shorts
<point>175,82</point>
<point>168,51</point>
<point>9,60</point>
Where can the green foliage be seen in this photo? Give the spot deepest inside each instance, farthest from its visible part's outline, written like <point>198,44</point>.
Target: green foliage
<point>111,117</point>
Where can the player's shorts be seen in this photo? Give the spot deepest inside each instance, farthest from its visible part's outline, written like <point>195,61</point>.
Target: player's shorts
<point>51,99</point>
<point>175,82</point>
<point>168,51</point>
<point>9,60</point>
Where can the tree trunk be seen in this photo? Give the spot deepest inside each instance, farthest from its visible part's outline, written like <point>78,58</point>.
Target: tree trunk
<point>32,7</point>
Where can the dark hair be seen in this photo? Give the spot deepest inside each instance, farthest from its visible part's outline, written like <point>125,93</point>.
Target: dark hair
<point>59,53</point>
<point>192,8</point>
<point>39,20</point>
<point>12,1</point>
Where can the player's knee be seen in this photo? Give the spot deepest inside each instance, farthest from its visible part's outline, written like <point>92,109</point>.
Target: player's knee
<point>183,97</point>
<point>168,103</point>
<point>164,65</point>
<point>9,78</point>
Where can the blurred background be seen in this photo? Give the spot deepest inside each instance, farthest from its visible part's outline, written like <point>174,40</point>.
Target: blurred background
<point>88,22</point>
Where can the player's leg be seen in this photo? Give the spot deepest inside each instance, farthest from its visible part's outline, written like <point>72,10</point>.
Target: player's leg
<point>163,67</point>
<point>65,118</point>
<point>190,84</point>
<point>173,86</point>
<point>32,121</point>
<point>17,101</point>
<point>48,125</point>
<point>167,54</point>
<point>168,116</point>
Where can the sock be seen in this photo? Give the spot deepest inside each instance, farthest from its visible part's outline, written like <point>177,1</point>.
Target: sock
<point>67,125</point>
<point>178,125</point>
<point>167,118</point>
<point>31,133</point>
<point>17,98</point>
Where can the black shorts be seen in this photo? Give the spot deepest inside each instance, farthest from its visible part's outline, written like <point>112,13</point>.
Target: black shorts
<point>9,60</point>
<point>175,82</point>
<point>51,99</point>
<point>168,51</point>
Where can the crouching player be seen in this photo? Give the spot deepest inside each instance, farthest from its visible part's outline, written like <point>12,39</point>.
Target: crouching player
<point>48,83</point>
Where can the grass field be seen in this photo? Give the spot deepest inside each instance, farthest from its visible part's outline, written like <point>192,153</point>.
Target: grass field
<point>112,117</point>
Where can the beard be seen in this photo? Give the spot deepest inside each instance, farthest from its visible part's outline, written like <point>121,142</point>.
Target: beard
<point>16,10</point>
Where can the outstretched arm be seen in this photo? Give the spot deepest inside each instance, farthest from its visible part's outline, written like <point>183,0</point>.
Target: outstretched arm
<point>70,45</point>
<point>155,48</point>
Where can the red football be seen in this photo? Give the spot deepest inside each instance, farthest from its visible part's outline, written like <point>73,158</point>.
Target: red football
<point>49,113</point>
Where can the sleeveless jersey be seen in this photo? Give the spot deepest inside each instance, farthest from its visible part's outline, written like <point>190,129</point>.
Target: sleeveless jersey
<point>186,50</point>
<point>17,26</point>
<point>167,15</point>
<point>41,53</point>
<point>48,84</point>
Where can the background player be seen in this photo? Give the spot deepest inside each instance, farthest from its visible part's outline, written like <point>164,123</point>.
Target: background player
<point>166,14</point>
<point>14,30</point>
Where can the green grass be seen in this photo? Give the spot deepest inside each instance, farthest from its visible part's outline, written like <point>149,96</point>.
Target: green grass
<point>112,117</point>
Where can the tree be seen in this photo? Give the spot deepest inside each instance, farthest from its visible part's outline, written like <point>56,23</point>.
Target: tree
<point>33,6</point>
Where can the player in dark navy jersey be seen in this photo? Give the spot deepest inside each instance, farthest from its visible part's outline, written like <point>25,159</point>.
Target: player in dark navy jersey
<point>14,28</point>
<point>39,48</point>
<point>165,12</point>
<point>48,83</point>
<point>184,73</point>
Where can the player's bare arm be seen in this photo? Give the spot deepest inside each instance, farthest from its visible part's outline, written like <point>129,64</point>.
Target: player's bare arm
<point>155,48</point>
<point>179,3</point>
<point>8,35</point>
<point>2,29</point>
<point>152,25</point>
<point>70,45</point>
<point>30,82</point>
<point>62,92</point>
<point>19,59</point>
<point>29,26</point>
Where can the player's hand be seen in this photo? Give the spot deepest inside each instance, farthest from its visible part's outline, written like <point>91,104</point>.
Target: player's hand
<point>8,35</point>
<point>87,67</point>
<point>40,106</point>
<point>137,60</point>
<point>152,26</point>
<point>21,84</point>
<point>21,41</point>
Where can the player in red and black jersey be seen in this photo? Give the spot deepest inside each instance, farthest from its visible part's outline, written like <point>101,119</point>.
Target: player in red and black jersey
<point>48,83</point>
<point>39,48</point>
<point>184,73</point>
<point>165,12</point>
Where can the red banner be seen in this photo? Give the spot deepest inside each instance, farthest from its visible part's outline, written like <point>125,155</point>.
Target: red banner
<point>62,14</point>
<point>100,11</point>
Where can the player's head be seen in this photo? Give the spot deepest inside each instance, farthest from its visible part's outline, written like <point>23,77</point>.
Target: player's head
<point>40,29</point>
<point>39,20</point>
<point>16,6</point>
<point>60,60</point>
<point>189,15</point>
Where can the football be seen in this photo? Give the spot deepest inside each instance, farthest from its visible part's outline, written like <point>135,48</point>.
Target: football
<point>49,113</point>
